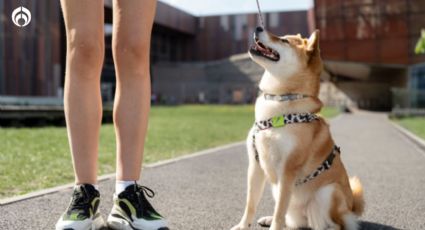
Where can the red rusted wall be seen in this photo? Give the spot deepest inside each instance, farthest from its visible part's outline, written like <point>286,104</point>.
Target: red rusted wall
<point>370,31</point>
<point>176,19</point>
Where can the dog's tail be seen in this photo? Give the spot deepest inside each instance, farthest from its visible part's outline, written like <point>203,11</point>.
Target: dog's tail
<point>358,200</point>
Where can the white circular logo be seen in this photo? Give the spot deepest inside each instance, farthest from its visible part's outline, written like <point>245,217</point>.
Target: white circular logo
<point>21,16</point>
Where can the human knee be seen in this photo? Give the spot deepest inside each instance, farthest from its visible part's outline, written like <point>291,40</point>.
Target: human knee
<point>86,47</point>
<point>132,48</point>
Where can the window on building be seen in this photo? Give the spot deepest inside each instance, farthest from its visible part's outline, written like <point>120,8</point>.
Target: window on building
<point>201,23</point>
<point>274,20</point>
<point>224,22</point>
<point>240,22</point>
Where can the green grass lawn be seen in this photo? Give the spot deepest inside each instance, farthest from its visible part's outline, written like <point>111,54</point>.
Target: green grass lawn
<point>330,112</point>
<point>36,158</point>
<point>415,124</point>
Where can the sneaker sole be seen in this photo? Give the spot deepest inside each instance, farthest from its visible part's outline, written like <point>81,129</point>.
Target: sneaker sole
<point>117,223</point>
<point>98,223</point>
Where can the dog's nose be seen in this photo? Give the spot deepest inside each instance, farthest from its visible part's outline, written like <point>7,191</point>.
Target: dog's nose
<point>259,29</point>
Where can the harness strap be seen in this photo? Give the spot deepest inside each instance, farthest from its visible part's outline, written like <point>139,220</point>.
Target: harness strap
<point>323,167</point>
<point>284,97</point>
<point>280,121</point>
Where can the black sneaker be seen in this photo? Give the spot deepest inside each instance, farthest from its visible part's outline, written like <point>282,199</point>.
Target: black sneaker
<point>132,210</point>
<point>83,212</point>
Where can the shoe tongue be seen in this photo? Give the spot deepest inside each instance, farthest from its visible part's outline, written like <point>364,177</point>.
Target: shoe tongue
<point>131,188</point>
<point>88,188</point>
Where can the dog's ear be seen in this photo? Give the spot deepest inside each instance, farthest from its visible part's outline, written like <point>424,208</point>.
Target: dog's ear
<point>313,42</point>
<point>312,49</point>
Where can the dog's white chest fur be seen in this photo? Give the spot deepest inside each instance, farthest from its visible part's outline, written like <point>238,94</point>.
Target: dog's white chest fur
<point>273,145</point>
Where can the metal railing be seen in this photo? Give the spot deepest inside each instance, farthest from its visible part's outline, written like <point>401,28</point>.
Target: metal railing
<point>408,102</point>
<point>408,98</point>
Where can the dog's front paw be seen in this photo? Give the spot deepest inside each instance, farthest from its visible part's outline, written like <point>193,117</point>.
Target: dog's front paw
<point>265,221</point>
<point>240,227</point>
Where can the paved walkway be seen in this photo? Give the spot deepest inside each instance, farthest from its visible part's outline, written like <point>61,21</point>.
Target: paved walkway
<point>208,192</point>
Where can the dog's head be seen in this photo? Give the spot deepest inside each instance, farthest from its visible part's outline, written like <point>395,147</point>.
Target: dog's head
<point>288,55</point>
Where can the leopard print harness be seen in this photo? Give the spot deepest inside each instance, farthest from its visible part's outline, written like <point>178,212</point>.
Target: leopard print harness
<point>281,121</point>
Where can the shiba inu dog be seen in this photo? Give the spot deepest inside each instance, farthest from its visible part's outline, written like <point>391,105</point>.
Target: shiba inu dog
<point>291,147</point>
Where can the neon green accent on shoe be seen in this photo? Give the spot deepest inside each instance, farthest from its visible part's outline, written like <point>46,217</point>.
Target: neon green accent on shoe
<point>278,121</point>
<point>74,216</point>
<point>130,206</point>
<point>154,216</point>
<point>94,201</point>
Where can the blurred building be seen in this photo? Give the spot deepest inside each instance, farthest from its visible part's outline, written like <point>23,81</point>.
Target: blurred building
<point>32,58</point>
<point>371,31</point>
<point>369,47</point>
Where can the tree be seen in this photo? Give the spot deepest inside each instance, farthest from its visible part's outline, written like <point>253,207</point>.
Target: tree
<point>420,46</point>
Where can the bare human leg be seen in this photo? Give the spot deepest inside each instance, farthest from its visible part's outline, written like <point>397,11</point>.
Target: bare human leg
<point>82,99</point>
<point>83,108</point>
<point>132,28</point>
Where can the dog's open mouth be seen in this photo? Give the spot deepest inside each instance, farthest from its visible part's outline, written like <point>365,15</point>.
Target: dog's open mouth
<point>260,49</point>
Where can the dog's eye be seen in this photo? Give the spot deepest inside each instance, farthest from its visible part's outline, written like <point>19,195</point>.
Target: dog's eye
<point>284,40</point>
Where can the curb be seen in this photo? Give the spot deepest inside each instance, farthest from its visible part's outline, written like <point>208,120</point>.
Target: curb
<point>7,201</point>
<point>47,191</point>
<point>419,142</point>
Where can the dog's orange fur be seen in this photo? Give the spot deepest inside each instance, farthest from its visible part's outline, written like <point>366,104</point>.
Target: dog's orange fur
<point>314,142</point>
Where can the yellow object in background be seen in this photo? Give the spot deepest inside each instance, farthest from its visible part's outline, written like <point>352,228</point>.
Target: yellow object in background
<point>420,46</point>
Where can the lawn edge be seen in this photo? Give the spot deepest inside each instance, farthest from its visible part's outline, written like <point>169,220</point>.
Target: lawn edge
<point>43,192</point>
<point>418,141</point>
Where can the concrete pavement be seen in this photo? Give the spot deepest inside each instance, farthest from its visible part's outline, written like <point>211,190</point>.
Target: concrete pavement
<point>208,191</point>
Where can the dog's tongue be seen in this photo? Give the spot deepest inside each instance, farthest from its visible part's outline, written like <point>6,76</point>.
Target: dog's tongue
<point>263,49</point>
